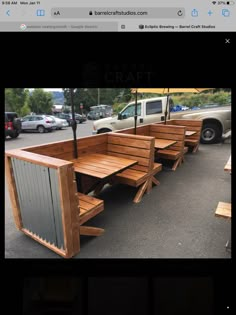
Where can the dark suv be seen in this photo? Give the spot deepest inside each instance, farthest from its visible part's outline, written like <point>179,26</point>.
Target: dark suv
<point>12,125</point>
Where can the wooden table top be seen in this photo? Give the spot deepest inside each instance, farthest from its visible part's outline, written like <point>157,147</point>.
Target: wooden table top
<point>163,143</point>
<point>101,165</point>
<point>190,133</point>
<point>227,167</point>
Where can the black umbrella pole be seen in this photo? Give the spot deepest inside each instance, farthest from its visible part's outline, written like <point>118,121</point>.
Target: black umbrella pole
<point>73,124</point>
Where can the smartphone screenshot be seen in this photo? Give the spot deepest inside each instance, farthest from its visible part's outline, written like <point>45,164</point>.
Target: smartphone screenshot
<point>117,147</point>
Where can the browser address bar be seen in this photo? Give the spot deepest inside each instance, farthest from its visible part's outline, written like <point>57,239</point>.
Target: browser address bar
<point>111,13</point>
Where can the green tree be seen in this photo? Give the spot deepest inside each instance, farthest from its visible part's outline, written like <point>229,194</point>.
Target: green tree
<point>91,96</point>
<point>15,99</point>
<point>41,102</point>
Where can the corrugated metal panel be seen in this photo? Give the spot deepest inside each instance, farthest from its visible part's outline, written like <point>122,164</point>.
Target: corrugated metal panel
<point>57,207</point>
<point>38,191</point>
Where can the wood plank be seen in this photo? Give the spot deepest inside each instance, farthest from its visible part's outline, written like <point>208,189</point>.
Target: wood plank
<point>37,158</point>
<point>13,193</point>
<point>223,210</point>
<point>227,167</point>
<point>130,142</point>
<point>167,136</point>
<point>86,171</point>
<point>134,137</point>
<point>64,190</point>
<point>163,143</point>
<point>187,122</point>
<point>91,231</point>
<point>128,150</point>
<point>90,214</point>
<point>106,157</point>
<point>96,166</point>
<point>141,161</point>
<point>171,129</point>
<point>74,209</point>
<point>190,133</point>
<point>90,199</point>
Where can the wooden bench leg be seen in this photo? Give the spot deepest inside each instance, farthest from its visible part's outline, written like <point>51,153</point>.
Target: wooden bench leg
<point>195,148</point>
<point>140,192</point>
<point>155,181</point>
<point>90,230</point>
<point>98,189</point>
<point>176,163</point>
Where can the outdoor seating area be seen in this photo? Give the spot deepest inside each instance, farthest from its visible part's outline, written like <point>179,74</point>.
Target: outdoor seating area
<point>51,190</point>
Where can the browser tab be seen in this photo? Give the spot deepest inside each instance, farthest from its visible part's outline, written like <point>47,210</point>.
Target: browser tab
<point>191,16</point>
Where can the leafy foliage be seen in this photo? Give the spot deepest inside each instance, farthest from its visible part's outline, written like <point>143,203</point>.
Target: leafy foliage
<point>40,102</point>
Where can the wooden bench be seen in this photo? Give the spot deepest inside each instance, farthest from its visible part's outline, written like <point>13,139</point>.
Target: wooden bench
<point>191,125</point>
<point>141,149</point>
<point>49,209</point>
<point>174,152</point>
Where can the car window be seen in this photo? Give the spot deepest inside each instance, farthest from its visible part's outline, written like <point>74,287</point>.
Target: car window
<point>130,111</point>
<point>154,107</point>
<point>32,118</point>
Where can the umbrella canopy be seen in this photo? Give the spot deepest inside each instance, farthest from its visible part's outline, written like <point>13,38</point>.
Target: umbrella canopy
<point>166,91</point>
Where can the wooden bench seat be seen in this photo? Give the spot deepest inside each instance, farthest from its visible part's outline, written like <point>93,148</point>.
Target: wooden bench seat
<point>88,208</point>
<point>138,148</point>
<point>191,125</point>
<point>174,152</point>
<point>169,154</point>
<point>191,142</point>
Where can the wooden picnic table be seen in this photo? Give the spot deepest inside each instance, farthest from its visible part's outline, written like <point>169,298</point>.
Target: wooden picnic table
<point>100,168</point>
<point>190,133</point>
<point>163,143</point>
<point>227,167</point>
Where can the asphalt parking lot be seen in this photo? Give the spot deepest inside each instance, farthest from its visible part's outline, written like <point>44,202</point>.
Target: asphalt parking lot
<point>176,220</point>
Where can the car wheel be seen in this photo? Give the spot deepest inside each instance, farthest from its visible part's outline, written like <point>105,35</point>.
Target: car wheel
<point>210,133</point>
<point>41,129</point>
<point>103,130</point>
<point>15,134</point>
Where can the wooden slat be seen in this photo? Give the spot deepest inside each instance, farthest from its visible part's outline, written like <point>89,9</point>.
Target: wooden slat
<point>75,222</point>
<point>66,210</point>
<point>13,193</point>
<point>134,137</point>
<point>168,154</point>
<point>167,136</point>
<point>141,161</point>
<point>227,167</point>
<point>37,158</point>
<point>128,150</point>
<point>223,210</point>
<point>186,122</point>
<point>90,199</point>
<point>91,231</point>
<point>130,142</point>
<point>178,130</point>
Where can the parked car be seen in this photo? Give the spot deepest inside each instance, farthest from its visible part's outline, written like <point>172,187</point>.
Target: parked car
<point>60,123</point>
<point>79,118</point>
<point>12,125</point>
<point>41,123</point>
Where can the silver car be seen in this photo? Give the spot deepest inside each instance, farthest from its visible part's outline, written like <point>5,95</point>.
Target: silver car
<point>41,123</point>
<point>60,123</point>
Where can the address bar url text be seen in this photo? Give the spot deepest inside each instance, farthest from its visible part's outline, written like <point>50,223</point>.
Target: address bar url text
<point>120,13</point>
